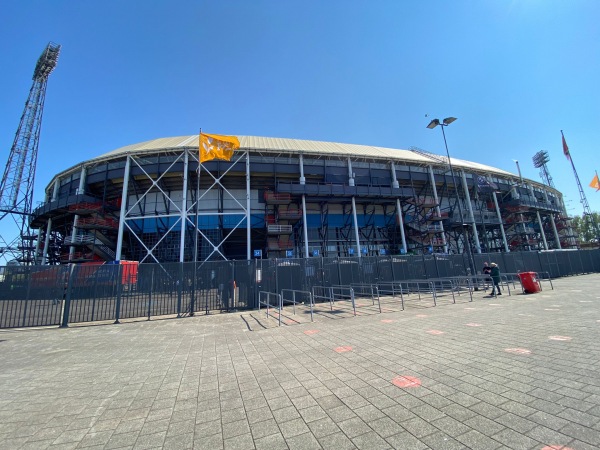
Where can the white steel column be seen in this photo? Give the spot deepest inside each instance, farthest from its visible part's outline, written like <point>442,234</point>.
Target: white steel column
<point>183,218</point>
<point>355,218</point>
<point>304,223</point>
<point>49,226</point>
<point>302,179</point>
<point>555,231</point>
<point>396,185</point>
<point>506,249</point>
<point>76,218</point>
<point>394,178</point>
<point>305,226</point>
<point>248,217</point>
<point>437,207</point>
<point>401,223</point>
<point>471,216</point>
<point>542,230</point>
<point>123,209</point>
<point>356,234</point>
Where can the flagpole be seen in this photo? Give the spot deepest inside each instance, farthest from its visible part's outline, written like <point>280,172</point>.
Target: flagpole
<point>586,207</point>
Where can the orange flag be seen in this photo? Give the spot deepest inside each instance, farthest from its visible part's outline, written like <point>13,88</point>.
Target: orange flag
<point>216,146</point>
<point>595,183</point>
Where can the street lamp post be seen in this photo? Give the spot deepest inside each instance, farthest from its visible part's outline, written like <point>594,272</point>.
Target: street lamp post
<point>447,121</point>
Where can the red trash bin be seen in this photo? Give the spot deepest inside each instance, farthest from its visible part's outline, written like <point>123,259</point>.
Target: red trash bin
<point>529,282</point>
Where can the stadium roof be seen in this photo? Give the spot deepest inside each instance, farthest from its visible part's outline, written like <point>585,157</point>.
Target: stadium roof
<point>297,146</point>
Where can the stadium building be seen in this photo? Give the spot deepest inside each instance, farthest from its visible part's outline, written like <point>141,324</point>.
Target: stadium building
<point>153,202</point>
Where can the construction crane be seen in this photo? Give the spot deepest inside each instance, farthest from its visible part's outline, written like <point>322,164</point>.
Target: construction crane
<point>16,188</point>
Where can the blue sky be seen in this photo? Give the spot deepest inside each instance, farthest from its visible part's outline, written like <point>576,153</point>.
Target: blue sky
<point>514,73</point>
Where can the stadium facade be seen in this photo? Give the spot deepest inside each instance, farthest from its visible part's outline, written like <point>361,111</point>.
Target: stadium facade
<point>153,202</point>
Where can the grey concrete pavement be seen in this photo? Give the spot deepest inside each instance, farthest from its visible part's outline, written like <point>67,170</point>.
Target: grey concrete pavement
<point>519,372</point>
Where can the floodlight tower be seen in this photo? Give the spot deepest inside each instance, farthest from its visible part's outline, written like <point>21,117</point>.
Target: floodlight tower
<point>540,161</point>
<point>16,188</point>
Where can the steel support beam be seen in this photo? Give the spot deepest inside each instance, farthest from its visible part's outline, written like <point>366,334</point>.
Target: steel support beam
<point>437,207</point>
<point>124,195</point>
<point>471,215</point>
<point>183,216</point>
<point>506,249</point>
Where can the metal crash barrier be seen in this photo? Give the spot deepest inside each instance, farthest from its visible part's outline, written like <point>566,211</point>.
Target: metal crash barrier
<point>296,297</point>
<point>333,294</point>
<point>264,298</point>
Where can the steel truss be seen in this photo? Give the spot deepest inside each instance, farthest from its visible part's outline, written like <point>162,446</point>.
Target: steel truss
<point>180,215</point>
<point>16,188</point>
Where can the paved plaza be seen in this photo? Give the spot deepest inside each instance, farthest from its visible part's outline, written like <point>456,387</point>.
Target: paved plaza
<point>518,372</point>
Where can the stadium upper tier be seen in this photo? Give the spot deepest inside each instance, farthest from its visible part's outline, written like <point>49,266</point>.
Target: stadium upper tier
<point>154,201</point>
<point>306,147</point>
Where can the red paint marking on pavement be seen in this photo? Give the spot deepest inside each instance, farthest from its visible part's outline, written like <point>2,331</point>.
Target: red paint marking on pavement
<point>406,381</point>
<point>518,351</point>
<point>421,315</point>
<point>556,447</point>
<point>388,321</point>
<point>473,324</point>
<point>435,332</point>
<point>343,349</point>
<point>560,338</point>
<point>310,332</point>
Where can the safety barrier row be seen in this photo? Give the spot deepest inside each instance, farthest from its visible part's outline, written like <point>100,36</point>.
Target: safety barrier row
<point>431,288</point>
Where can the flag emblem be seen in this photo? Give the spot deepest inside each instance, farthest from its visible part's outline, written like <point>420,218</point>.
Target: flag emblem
<point>216,146</point>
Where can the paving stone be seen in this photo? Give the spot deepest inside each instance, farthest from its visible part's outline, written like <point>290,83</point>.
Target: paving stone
<point>441,441</point>
<point>304,441</point>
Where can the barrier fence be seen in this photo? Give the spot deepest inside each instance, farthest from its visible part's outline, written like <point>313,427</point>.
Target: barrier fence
<point>59,295</point>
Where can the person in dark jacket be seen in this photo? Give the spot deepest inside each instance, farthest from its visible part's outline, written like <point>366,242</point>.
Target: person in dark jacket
<point>486,270</point>
<point>495,274</point>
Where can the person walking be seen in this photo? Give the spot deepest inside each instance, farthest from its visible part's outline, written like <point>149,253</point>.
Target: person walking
<point>495,274</point>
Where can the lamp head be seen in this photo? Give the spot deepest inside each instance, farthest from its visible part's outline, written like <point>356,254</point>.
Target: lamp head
<point>449,120</point>
<point>434,123</point>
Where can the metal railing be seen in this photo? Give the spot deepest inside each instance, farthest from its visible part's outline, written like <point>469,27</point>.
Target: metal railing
<point>55,295</point>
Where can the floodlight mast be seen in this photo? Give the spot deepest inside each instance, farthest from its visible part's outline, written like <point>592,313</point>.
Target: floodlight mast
<point>16,187</point>
<point>540,161</point>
